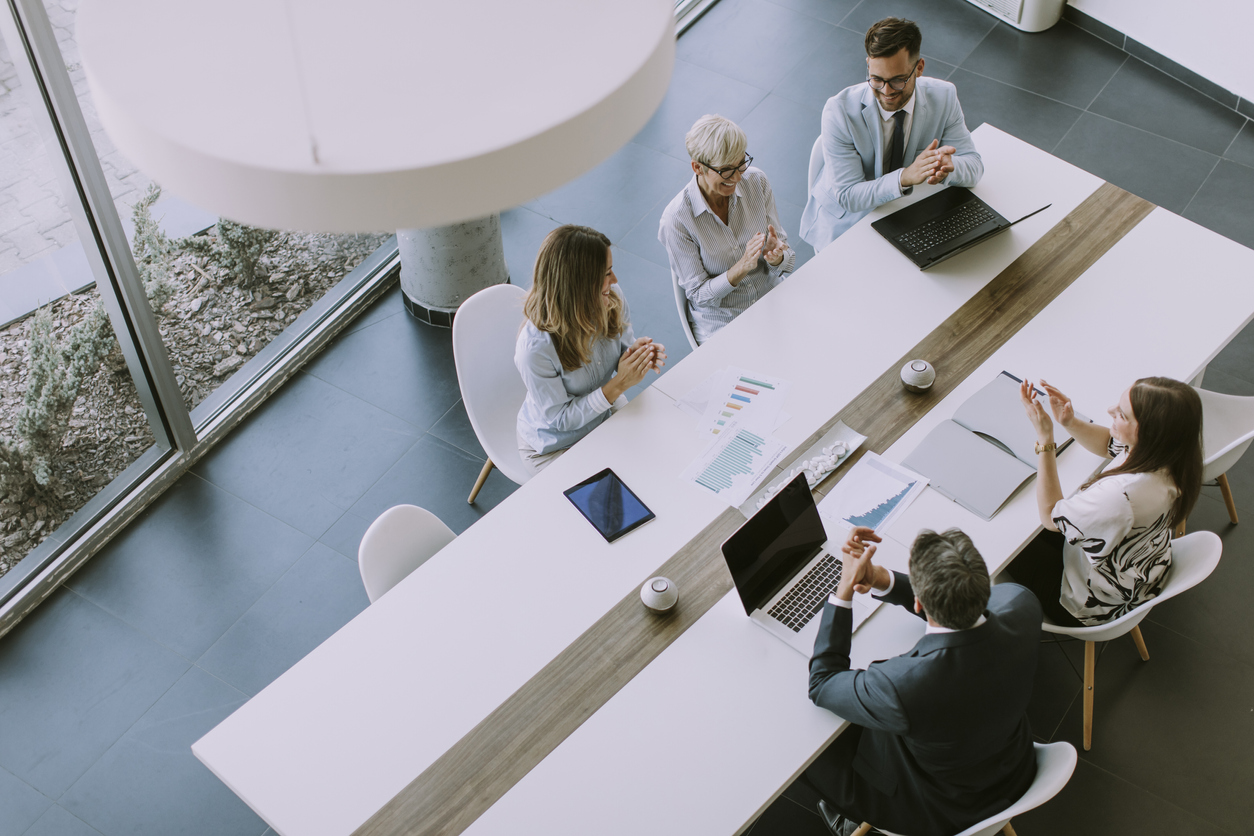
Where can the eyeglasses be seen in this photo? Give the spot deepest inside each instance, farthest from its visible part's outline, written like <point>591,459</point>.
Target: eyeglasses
<point>729,171</point>
<point>899,83</point>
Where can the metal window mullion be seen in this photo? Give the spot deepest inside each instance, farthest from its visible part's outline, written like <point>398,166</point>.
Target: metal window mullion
<point>100,229</point>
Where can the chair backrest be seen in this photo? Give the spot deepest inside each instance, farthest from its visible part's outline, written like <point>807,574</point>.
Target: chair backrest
<point>398,542</point>
<point>1227,431</point>
<point>485,332</point>
<point>681,303</point>
<point>1193,557</point>
<point>816,162</point>
<point>1054,764</point>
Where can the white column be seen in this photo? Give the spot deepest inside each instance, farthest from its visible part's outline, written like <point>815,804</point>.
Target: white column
<point>443,266</point>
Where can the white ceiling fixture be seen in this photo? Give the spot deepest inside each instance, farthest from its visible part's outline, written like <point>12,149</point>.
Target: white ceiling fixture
<point>375,114</point>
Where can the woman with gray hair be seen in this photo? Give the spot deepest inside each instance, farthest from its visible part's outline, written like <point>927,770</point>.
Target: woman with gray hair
<point>722,232</point>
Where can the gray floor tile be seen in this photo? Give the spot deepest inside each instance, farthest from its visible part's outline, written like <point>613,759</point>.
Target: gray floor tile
<point>388,305</point>
<point>1225,203</point>
<point>75,679</point>
<point>951,28</point>
<point>694,92</point>
<point>1177,726</point>
<point>1236,360</point>
<point>315,449</point>
<point>643,240</point>
<point>1161,171</point>
<point>1035,119</point>
<point>1146,98</point>
<point>648,289</point>
<point>1221,381</point>
<point>20,804</point>
<point>777,37</point>
<point>1056,686</point>
<point>320,594</point>
<point>150,783</point>
<point>57,822</point>
<point>615,195</point>
<point>838,61</point>
<point>190,566</point>
<point>787,818</point>
<point>436,476</point>
<point>345,534</point>
<point>1097,803</point>
<point>782,133</point>
<point>1242,148</point>
<point>454,427</point>
<point>1063,63</point>
<point>828,11</point>
<point>522,233</point>
<point>399,365</point>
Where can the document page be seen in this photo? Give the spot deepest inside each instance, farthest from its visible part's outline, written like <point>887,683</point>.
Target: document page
<point>873,493</point>
<point>734,463</point>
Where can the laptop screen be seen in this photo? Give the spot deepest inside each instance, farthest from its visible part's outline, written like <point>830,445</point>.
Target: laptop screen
<point>775,544</point>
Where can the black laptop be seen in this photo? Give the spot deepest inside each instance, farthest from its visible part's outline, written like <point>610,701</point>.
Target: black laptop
<point>942,225</point>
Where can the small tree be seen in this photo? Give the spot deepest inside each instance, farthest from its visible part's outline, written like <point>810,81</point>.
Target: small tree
<point>153,251</point>
<point>237,249</point>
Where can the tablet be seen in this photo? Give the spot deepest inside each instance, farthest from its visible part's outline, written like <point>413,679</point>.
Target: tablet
<point>609,505</point>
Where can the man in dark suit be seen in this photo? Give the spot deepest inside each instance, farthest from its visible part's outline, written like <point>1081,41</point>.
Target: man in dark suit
<point>940,738</point>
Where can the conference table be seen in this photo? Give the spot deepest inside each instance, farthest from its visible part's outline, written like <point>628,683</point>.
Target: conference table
<point>514,683</point>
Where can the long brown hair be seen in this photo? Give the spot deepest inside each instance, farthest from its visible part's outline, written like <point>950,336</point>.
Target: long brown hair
<point>1168,417</point>
<point>565,299</point>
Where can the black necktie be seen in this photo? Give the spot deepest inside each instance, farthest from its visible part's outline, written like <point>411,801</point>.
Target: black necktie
<point>899,141</point>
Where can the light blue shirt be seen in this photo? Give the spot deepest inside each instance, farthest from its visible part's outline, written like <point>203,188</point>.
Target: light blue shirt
<point>563,406</point>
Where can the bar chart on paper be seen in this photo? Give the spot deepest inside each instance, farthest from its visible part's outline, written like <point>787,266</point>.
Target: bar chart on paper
<point>746,399</point>
<point>734,464</point>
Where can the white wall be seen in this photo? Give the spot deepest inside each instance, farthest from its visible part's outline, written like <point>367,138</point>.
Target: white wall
<point>1181,29</point>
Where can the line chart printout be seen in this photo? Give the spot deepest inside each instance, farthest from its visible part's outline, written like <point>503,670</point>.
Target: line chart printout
<point>747,400</point>
<point>873,493</point>
<point>734,463</point>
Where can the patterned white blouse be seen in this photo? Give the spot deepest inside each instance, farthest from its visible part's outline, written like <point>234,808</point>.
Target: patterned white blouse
<point>1117,542</point>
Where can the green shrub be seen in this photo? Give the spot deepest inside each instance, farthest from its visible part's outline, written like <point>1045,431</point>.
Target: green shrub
<point>153,251</point>
<point>237,249</point>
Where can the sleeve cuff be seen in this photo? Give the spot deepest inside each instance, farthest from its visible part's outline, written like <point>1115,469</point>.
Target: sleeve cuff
<point>598,401</point>
<point>892,581</point>
<point>844,605</point>
<point>720,286</point>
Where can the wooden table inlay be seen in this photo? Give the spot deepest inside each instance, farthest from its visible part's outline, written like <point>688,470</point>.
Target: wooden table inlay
<point>481,767</point>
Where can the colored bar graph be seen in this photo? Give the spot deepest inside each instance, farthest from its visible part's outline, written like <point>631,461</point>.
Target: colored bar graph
<point>753,382</point>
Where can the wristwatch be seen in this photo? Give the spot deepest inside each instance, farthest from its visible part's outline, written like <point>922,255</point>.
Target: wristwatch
<point>1045,448</point>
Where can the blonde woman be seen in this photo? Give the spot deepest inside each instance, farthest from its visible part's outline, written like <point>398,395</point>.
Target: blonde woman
<point>722,232</point>
<point>576,350</point>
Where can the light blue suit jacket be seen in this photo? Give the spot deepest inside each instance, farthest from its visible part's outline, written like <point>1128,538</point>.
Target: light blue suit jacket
<point>852,180</point>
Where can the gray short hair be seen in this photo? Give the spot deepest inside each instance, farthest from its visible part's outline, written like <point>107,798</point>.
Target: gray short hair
<point>716,142</point>
<point>949,578</point>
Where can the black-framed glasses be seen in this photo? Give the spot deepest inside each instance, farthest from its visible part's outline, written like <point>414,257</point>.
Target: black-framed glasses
<point>899,83</point>
<point>727,172</point>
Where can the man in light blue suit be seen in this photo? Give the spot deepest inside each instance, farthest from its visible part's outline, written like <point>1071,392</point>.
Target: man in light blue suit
<point>882,137</point>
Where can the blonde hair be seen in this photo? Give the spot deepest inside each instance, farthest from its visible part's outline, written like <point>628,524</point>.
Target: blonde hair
<point>716,142</point>
<point>565,299</point>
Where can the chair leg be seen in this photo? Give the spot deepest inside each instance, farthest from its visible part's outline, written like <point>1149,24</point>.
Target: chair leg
<point>483,477</point>
<point>1140,643</point>
<point>1227,492</point>
<point>1090,667</point>
<point>863,830</point>
<point>1008,830</point>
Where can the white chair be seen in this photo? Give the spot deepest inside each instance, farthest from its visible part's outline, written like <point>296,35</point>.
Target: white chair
<point>1193,558</point>
<point>816,163</point>
<point>1227,431</point>
<point>398,542</point>
<point>485,331</point>
<point>1054,764</point>
<point>681,302</point>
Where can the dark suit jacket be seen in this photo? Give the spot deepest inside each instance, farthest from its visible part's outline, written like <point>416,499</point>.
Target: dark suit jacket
<point>946,740</point>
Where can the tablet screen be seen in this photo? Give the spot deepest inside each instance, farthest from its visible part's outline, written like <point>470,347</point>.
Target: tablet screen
<point>609,505</point>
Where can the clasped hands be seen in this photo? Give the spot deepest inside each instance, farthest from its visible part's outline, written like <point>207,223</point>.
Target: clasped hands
<point>858,573</point>
<point>763,245</point>
<point>932,165</point>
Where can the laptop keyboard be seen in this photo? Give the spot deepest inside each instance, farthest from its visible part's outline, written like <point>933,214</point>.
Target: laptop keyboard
<point>936,232</point>
<point>806,598</point>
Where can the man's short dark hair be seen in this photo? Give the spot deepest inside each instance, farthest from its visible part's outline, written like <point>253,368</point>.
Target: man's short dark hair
<point>949,577</point>
<point>891,34</point>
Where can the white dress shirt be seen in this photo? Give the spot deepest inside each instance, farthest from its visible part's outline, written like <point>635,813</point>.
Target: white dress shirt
<point>702,249</point>
<point>886,132</point>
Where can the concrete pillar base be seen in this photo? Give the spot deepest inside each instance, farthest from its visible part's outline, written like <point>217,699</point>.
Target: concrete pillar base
<point>443,266</point>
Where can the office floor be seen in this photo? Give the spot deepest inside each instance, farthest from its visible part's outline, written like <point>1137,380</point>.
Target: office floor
<point>249,561</point>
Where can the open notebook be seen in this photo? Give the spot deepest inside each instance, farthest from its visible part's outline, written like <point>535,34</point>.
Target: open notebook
<point>981,456</point>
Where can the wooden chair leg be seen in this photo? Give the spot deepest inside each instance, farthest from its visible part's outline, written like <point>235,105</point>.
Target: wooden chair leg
<point>863,830</point>
<point>1227,492</point>
<point>1008,830</point>
<point>1140,643</point>
<point>483,477</point>
<point>1090,668</point>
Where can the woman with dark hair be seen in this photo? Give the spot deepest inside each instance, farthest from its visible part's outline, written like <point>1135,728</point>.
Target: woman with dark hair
<point>1107,548</point>
<point>576,351</point>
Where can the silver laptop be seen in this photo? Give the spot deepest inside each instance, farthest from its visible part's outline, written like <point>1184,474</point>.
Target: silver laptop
<point>784,570</point>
